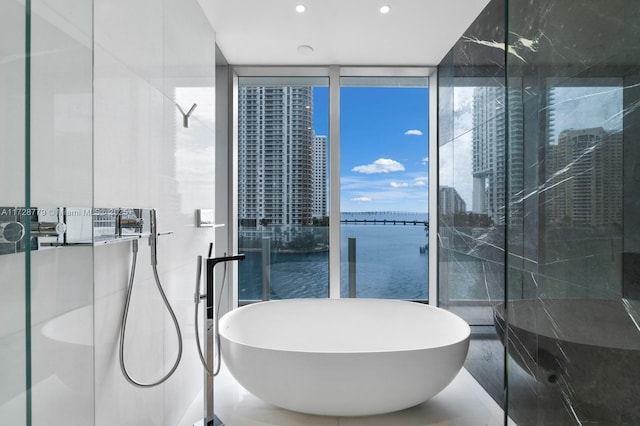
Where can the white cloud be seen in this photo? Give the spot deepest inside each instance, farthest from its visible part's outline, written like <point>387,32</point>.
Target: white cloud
<point>399,185</point>
<point>381,165</point>
<point>418,181</point>
<point>414,132</point>
<point>382,196</point>
<point>361,199</point>
<point>462,111</point>
<point>425,161</point>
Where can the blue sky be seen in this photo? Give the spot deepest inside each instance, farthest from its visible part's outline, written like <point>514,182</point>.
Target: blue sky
<point>384,146</point>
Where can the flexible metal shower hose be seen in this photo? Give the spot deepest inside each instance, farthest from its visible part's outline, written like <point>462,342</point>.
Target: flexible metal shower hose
<point>123,326</point>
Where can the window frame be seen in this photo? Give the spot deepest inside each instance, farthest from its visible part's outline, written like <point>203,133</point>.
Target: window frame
<point>334,73</point>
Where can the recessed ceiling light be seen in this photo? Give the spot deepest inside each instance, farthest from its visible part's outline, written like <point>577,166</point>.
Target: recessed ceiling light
<point>300,8</point>
<point>305,49</point>
<point>385,9</point>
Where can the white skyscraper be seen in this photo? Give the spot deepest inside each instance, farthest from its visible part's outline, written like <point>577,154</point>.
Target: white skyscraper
<point>492,156</point>
<point>275,165</point>
<point>450,201</point>
<point>319,176</point>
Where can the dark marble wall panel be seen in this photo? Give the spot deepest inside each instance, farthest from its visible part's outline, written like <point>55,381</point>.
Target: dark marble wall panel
<point>631,205</point>
<point>541,141</point>
<point>472,123</point>
<point>471,126</point>
<point>572,233</point>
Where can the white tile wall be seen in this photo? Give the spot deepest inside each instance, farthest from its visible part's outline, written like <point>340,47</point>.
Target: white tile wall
<point>131,31</point>
<point>61,90</point>
<point>12,102</point>
<point>147,57</point>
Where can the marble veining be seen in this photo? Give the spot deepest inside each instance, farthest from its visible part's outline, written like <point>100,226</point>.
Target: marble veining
<point>539,121</point>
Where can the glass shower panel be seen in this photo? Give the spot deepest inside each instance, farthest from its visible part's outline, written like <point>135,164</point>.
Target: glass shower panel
<point>283,187</point>
<point>572,236</point>
<point>583,189</point>
<point>14,334</point>
<point>472,215</point>
<point>472,177</point>
<point>61,175</point>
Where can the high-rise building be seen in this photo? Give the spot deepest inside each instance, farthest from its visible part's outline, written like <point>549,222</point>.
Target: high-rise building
<point>319,176</point>
<point>490,162</point>
<point>584,178</point>
<point>275,163</point>
<point>450,201</point>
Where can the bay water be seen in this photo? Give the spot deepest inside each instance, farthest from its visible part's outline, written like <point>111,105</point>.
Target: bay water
<point>389,263</point>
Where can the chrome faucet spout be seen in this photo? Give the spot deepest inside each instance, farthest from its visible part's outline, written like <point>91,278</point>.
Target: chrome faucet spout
<point>210,315</point>
<point>211,264</point>
<point>213,261</point>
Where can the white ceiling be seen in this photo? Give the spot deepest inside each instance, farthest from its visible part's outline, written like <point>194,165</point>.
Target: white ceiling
<point>343,32</point>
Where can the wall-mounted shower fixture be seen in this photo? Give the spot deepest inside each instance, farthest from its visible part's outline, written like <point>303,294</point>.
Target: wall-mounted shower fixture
<point>46,228</point>
<point>53,227</point>
<point>11,232</point>
<point>129,219</point>
<point>112,225</point>
<point>186,115</point>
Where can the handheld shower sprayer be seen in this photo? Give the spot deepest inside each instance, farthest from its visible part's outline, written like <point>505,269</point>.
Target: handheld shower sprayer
<point>153,243</point>
<point>153,237</point>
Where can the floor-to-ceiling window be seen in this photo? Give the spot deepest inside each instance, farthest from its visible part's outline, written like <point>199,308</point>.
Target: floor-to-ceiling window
<point>384,187</point>
<point>285,196</point>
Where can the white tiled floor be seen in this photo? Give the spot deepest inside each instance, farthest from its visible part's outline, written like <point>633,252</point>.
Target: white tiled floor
<point>462,403</point>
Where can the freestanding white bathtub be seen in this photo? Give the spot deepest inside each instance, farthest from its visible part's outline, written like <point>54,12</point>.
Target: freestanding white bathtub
<point>343,357</point>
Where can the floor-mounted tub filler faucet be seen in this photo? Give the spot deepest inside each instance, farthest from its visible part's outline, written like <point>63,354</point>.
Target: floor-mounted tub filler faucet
<point>153,244</point>
<point>210,264</point>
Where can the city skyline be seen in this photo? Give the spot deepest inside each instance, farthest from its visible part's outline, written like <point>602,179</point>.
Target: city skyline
<point>384,144</point>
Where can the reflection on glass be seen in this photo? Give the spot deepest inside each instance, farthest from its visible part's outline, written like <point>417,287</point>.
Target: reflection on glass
<point>538,185</point>
<point>384,187</point>
<point>282,188</point>
<point>570,329</point>
<point>583,196</point>
<point>472,200</point>
<point>14,329</point>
